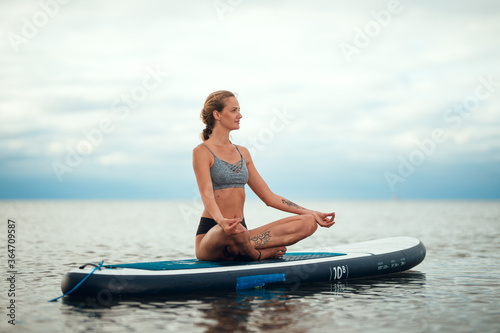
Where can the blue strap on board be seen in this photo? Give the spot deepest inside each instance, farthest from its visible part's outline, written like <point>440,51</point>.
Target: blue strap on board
<point>79,283</point>
<point>252,281</point>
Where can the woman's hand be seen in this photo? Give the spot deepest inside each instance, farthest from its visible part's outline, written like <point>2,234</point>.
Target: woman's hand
<point>325,220</point>
<point>230,226</point>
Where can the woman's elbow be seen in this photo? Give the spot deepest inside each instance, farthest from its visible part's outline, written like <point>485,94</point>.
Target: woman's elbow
<point>206,194</point>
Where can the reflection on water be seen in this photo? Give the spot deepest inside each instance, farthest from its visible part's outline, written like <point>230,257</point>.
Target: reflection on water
<point>266,309</point>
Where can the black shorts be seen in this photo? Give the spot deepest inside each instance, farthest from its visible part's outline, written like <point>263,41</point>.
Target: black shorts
<point>207,223</point>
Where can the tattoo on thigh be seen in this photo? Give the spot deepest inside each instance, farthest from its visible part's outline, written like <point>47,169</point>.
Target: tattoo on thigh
<point>262,239</point>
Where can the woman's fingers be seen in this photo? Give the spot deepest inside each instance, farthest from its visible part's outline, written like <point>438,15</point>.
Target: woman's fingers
<point>327,219</point>
<point>233,225</point>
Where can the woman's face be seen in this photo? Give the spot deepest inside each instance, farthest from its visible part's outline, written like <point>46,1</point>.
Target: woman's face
<point>230,115</point>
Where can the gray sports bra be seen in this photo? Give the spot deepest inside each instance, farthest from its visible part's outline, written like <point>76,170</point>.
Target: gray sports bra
<point>226,175</point>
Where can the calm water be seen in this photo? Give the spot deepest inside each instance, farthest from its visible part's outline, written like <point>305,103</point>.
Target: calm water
<point>455,289</point>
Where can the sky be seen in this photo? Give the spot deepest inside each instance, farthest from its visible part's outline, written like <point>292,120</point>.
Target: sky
<point>340,99</point>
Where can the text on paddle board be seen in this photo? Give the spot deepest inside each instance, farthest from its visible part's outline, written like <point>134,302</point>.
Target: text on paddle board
<point>338,272</point>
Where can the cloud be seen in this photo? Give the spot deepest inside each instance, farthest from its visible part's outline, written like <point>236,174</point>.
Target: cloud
<point>90,59</point>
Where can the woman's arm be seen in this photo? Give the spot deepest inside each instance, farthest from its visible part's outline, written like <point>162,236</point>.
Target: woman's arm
<point>201,166</point>
<point>262,190</point>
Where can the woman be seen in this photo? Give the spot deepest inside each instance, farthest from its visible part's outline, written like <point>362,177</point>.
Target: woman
<point>222,169</point>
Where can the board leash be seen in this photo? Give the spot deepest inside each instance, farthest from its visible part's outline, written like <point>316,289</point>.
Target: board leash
<point>79,283</point>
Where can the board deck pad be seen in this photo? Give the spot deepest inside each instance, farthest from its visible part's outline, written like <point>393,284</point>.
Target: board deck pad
<point>194,263</point>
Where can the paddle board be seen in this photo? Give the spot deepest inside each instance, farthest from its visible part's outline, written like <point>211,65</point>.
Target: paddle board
<point>357,260</point>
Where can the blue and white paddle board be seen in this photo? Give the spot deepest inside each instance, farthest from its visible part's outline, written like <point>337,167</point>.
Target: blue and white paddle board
<point>357,260</point>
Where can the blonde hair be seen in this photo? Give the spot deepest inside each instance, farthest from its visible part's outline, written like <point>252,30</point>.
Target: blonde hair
<point>216,101</point>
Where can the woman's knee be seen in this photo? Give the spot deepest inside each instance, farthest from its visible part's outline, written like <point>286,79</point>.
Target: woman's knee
<point>201,255</point>
<point>241,238</point>
<point>309,224</point>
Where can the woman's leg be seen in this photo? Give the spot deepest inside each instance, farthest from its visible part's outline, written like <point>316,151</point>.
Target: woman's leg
<point>217,245</point>
<point>284,232</point>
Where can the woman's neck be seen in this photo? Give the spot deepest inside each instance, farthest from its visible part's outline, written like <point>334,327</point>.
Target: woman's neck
<point>220,137</point>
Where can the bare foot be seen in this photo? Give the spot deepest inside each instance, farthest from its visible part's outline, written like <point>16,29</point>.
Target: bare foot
<point>272,252</point>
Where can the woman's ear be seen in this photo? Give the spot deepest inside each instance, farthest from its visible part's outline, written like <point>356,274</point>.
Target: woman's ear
<point>216,115</point>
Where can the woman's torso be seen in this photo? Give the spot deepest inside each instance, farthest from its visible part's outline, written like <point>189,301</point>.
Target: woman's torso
<point>230,202</point>
<point>229,199</point>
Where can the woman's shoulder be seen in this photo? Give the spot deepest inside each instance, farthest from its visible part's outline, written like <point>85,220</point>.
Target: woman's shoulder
<point>240,147</point>
<point>244,151</point>
<point>202,155</point>
<point>200,149</point>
